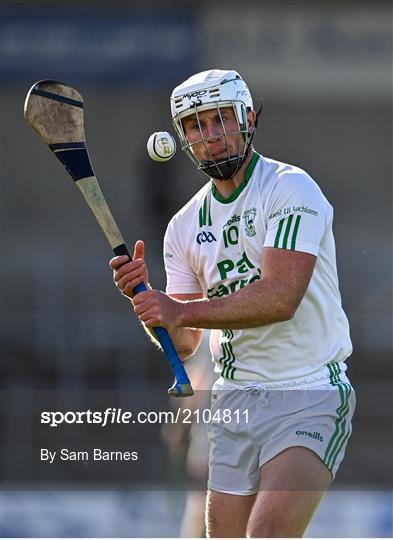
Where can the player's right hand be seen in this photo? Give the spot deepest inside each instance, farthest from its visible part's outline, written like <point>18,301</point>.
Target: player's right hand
<point>127,275</point>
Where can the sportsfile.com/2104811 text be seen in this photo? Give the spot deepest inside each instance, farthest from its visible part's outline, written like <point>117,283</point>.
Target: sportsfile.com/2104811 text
<point>112,416</point>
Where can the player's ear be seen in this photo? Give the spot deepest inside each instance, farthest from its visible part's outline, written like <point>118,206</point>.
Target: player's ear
<point>252,118</point>
<point>257,114</point>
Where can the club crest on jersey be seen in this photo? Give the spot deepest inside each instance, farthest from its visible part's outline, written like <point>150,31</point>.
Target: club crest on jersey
<point>205,237</point>
<point>249,218</point>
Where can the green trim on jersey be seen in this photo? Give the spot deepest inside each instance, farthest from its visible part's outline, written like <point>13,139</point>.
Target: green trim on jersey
<point>228,359</point>
<point>288,236</point>
<point>295,230</point>
<point>204,211</point>
<point>342,431</point>
<point>239,189</point>
<point>287,229</point>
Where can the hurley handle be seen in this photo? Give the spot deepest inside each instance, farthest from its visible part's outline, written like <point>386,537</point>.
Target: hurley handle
<point>182,386</point>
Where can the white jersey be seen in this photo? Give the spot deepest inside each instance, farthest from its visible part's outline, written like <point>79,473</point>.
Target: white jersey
<point>214,245</point>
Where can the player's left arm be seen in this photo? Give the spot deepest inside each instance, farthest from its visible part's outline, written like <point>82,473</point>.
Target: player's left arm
<point>186,340</point>
<point>274,298</point>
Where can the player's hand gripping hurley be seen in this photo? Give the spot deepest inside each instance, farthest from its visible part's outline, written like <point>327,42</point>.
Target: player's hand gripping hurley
<point>55,111</point>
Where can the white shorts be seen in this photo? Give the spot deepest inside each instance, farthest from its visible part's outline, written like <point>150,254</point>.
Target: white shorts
<point>251,425</point>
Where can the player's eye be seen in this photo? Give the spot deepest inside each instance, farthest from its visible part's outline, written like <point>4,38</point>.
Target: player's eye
<point>192,126</point>
<point>224,119</point>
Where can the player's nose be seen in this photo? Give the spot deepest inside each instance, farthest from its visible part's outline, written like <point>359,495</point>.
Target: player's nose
<point>213,131</point>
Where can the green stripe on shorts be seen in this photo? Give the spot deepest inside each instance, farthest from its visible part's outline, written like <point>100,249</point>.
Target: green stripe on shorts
<point>228,359</point>
<point>342,431</point>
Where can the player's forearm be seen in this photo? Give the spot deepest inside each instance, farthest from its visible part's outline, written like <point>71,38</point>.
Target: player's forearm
<point>185,340</point>
<point>258,304</point>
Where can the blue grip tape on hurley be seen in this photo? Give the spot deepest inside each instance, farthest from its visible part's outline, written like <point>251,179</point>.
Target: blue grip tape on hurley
<point>172,356</point>
<point>162,335</point>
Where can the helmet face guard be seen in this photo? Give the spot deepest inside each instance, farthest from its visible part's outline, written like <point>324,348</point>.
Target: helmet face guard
<point>214,90</point>
<point>226,167</point>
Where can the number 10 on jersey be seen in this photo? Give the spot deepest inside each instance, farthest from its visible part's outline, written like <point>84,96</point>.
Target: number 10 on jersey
<point>231,236</point>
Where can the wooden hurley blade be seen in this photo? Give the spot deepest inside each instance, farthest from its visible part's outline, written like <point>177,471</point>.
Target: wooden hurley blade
<point>55,111</point>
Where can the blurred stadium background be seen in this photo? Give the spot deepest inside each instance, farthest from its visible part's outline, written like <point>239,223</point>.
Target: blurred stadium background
<point>324,69</point>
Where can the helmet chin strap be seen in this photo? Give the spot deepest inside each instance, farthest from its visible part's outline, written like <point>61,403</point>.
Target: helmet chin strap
<point>227,169</point>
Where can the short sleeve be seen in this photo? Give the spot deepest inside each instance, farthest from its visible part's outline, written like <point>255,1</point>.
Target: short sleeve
<point>297,213</point>
<point>181,278</point>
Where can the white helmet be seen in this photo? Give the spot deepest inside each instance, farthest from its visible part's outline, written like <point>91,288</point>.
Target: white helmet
<point>212,89</point>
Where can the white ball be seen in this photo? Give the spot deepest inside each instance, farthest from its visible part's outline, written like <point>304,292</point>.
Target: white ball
<point>161,146</point>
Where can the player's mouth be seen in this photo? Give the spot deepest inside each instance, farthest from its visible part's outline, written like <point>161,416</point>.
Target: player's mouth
<point>219,154</point>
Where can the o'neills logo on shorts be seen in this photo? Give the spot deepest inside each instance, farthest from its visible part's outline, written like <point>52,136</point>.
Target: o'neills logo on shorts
<point>315,435</point>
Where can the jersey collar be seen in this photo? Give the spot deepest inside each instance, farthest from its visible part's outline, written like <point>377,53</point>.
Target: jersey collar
<point>239,189</point>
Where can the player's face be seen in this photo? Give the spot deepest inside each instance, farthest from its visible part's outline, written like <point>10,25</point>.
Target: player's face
<point>214,134</point>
